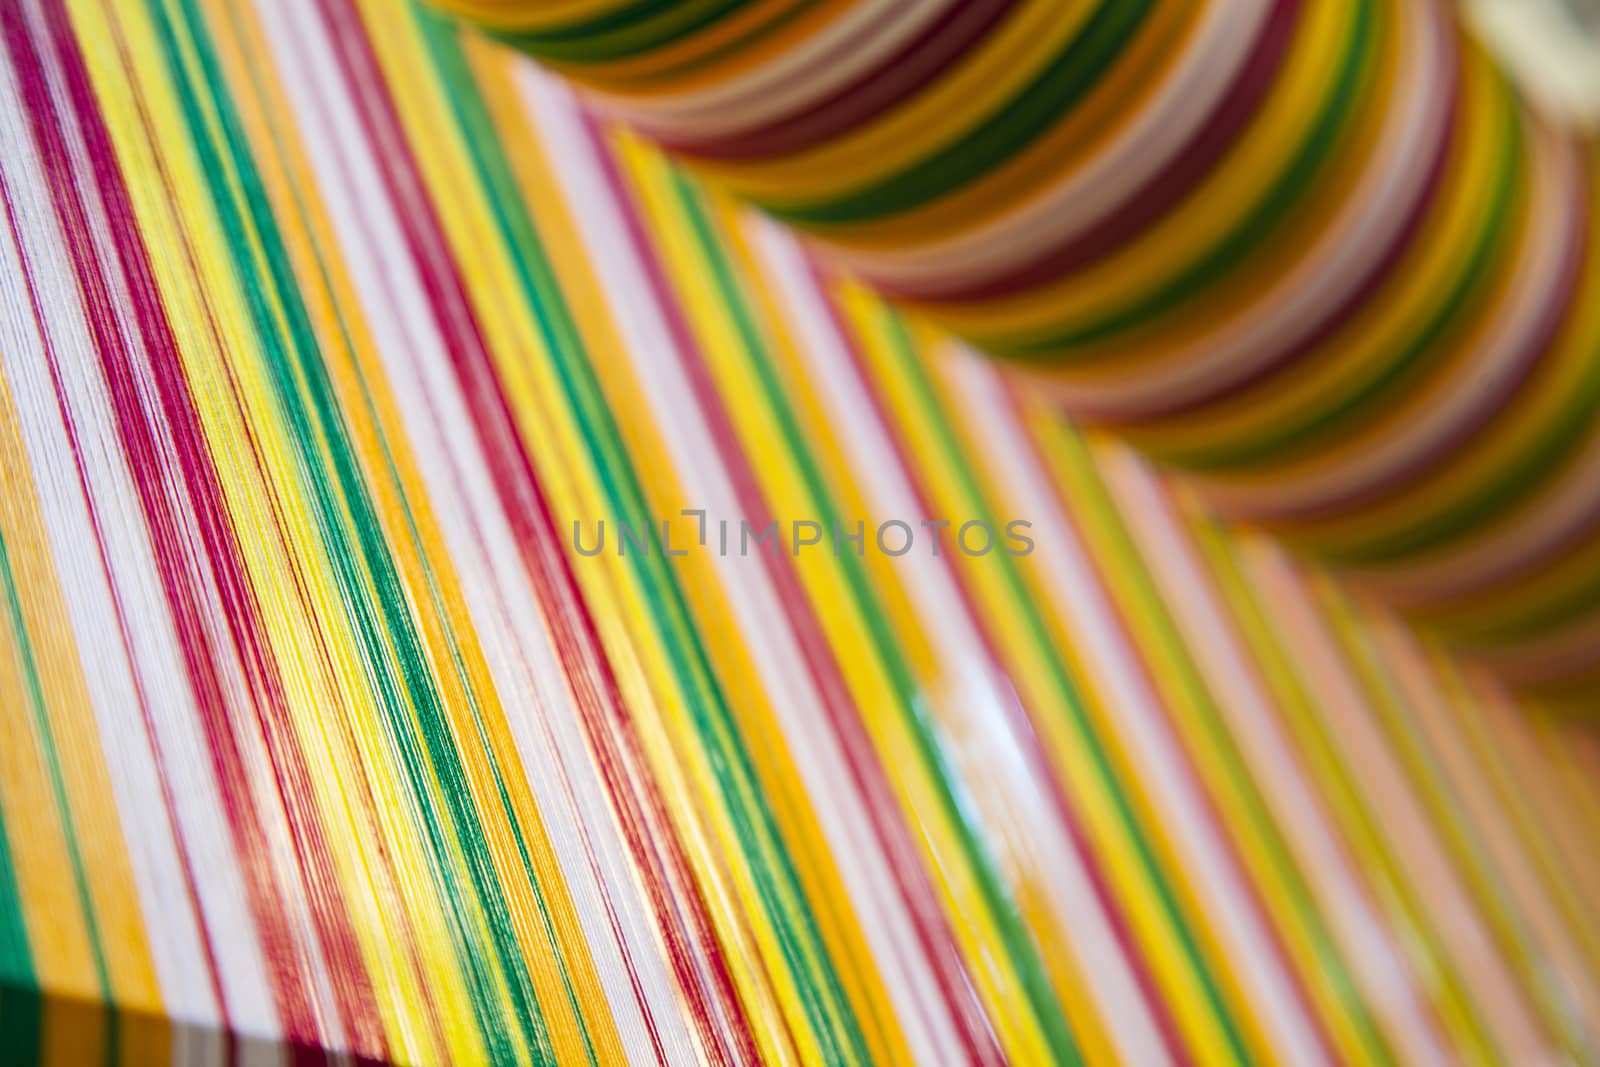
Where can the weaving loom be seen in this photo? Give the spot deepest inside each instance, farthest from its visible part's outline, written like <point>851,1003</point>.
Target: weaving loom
<point>331,333</point>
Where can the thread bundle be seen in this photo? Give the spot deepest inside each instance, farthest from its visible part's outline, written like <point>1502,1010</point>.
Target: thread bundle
<point>322,325</point>
<point>1315,253</point>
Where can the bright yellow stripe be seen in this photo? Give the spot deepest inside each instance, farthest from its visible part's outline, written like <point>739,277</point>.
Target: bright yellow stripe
<point>1302,721</point>
<point>545,15</point>
<point>1210,212</point>
<point>723,49</point>
<point>1078,467</point>
<point>1028,39</point>
<point>1071,468</point>
<point>1049,160</point>
<point>1483,460</point>
<point>41,838</point>
<point>624,613</point>
<point>1506,932</point>
<point>824,583</point>
<point>1386,327</point>
<point>720,348</point>
<point>175,229</point>
<point>1032,672</point>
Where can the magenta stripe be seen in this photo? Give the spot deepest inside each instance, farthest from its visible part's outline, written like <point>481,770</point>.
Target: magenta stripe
<point>682,917</point>
<point>1188,168</point>
<point>1116,919</point>
<point>1228,387</point>
<point>895,79</point>
<point>181,574</point>
<point>949,969</point>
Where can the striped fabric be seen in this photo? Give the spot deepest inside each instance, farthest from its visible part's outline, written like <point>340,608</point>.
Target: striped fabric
<point>323,730</point>
<point>1314,252</point>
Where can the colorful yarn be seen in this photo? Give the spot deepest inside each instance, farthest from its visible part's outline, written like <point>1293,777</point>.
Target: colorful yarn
<point>1316,253</point>
<point>320,327</point>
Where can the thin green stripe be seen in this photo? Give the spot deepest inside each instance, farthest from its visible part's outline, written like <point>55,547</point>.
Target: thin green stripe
<point>1267,217</point>
<point>1039,107</point>
<point>777,883</point>
<point>1521,475</point>
<point>436,600</point>
<point>1574,601</point>
<point>1392,892</point>
<point>1345,411</point>
<point>21,1006</point>
<point>58,790</point>
<point>1513,931</point>
<point>699,61</point>
<point>1332,971</point>
<point>624,34</point>
<point>956,805</point>
<point>410,702</point>
<point>1094,745</point>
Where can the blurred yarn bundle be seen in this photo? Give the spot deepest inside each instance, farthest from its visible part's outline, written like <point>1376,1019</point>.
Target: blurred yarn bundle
<point>1318,254</point>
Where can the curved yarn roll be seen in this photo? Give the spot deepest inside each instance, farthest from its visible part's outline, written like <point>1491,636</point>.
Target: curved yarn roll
<point>1319,254</point>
